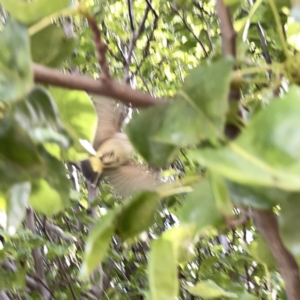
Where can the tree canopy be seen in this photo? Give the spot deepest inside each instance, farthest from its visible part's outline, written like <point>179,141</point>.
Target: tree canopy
<point>213,104</point>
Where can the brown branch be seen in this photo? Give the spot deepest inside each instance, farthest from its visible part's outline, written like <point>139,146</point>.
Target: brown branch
<point>109,88</point>
<point>149,39</point>
<point>131,14</point>
<point>134,37</point>
<point>100,46</point>
<point>266,223</point>
<point>3,296</point>
<point>227,31</point>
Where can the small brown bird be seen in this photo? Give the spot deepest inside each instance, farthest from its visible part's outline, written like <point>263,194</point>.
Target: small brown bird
<point>114,153</point>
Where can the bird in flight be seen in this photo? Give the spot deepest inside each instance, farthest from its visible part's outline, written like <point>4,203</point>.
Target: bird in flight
<point>113,160</point>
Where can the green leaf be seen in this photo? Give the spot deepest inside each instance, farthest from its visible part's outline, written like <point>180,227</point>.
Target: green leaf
<point>50,46</point>
<point>77,113</point>
<point>268,157</point>
<point>16,205</point>
<point>12,280</point>
<point>51,195</point>
<point>97,243</point>
<point>255,196</point>
<point>140,131</point>
<point>15,165</point>
<point>163,280</point>
<point>16,76</point>
<point>199,109</point>
<point>221,194</point>
<point>200,208</point>
<point>39,116</point>
<point>288,221</point>
<point>142,207</point>
<point>30,12</point>
<point>247,296</point>
<point>261,253</point>
<point>208,289</point>
<point>181,238</point>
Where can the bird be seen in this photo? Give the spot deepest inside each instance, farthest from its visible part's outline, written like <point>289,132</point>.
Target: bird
<point>114,153</point>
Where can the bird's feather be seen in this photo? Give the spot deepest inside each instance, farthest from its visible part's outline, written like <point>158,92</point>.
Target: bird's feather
<point>131,178</point>
<point>110,118</point>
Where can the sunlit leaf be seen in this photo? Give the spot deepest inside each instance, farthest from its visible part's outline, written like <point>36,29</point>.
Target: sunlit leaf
<point>162,271</point>
<point>51,195</point>
<point>207,289</point>
<point>30,12</point>
<point>16,77</point>
<point>51,46</point>
<point>142,207</point>
<point>77,113</point>
<point>268,157</point>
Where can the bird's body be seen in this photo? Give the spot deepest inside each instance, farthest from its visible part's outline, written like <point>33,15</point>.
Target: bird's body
<point>114,153</point>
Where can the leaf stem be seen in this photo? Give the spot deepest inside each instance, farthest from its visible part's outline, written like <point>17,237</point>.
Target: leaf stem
<point>47,21</point>
<point>279,27</point>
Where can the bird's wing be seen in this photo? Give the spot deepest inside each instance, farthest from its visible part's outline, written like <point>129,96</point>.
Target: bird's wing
<point>128,179</point>
<point>110,117</point>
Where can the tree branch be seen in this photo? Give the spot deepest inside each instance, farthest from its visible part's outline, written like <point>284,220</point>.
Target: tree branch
<point>37,257</point>
<point>108,88</point>
<point>266,223</point>
<point>227,31</point>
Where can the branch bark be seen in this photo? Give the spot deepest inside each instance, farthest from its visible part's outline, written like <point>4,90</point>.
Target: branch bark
<point>109,88</point>
<point>266,223</point>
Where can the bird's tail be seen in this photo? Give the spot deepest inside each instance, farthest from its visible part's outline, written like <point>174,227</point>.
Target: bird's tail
<point>91,169</point>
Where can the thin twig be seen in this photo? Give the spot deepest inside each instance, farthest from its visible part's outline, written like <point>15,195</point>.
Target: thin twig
<point>131,14</point>
<point>207,24</point>
<point>182,17</point>
<point>134,37</point>
<point>37,257</point>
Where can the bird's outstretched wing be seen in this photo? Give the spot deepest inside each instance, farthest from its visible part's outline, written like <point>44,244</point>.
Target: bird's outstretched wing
<point>131,178</point>
<point>110,118</point>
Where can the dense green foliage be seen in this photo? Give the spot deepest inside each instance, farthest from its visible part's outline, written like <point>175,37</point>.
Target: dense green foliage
<point>58,241</point>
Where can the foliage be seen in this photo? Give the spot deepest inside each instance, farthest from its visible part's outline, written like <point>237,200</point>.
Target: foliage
<point>183,241</point>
